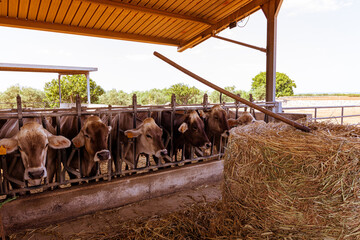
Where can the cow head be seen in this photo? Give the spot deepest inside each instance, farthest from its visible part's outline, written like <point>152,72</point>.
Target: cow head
<point>193,130</point>
<point>243,119</point>
<point>33,141</point>
<point>93,136</point>
<point>216,121</point>
<point>149,138</point>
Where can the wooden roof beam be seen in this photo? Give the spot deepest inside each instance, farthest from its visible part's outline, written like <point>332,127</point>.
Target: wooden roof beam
<point>54,27</point>
<point>153,11</point>
<point>244,11</point>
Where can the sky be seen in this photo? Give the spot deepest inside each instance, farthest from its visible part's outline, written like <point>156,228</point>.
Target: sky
<point>318,46</point>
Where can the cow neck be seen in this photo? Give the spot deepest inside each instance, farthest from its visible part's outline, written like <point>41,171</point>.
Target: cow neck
<point>87,164</point>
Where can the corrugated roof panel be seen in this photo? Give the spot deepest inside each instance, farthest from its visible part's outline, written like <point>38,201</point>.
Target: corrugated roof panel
<point>63,9</point>
<point>96,16</point>
<point>106,15</point>
<point>23,8</point>
<point>171,22</point>
<point>82,10</point>
<point>43,10</point>
<point>73,8</point>
<point>54,8</point>
<point>118,20</point>
<point>13,8</point>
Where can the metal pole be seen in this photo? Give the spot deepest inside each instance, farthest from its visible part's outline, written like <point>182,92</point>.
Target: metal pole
<point>88,86</point>
<point>250,104</point>
<point>241,43</point>
<point>59,77</point>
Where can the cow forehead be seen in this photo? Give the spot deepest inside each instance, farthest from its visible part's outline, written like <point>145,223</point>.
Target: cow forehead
<point>194,116</point>
<point>149,124</point>
<point>95,126</point>
<point>32,133</point>
<point>217,109</point>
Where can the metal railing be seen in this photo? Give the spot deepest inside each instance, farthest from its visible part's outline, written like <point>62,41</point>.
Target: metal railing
<point>116,167</point>
<point>315,110</point>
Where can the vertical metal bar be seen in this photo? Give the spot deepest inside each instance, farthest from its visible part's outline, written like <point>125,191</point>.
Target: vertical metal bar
<point>342,115</point>
<point>236,108</point>
<point>5,181</point>
<point>118,147</point>
<point>220,98</point>
<point>109,144</point>
<point>134,102</point>
<point>205,102</point>
<point>88,86</point>
<point>19,110</point>
<point>59,78</point>
<point>78,110</point>
<point>172,119</point>
<point>59,177</point>
<point>315,114</point>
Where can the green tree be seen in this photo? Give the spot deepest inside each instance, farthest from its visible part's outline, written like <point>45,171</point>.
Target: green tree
<point>214,96</point>
<point>153,96</point>
<point>185,94</point>
<point>284,85</point>
<point>114,97</point>
<point>71,85</point>
<point>30,97</point>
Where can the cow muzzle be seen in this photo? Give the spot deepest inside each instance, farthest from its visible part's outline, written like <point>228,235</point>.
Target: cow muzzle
<point>225,134</point>
<point>161,153</point>
<point>206,145</point>
<point>35,175</point>
<point>102,155</point>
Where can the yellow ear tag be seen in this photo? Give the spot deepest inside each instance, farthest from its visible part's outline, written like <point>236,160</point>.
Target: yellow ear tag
<point>2,150</point>
<point>130,134</point>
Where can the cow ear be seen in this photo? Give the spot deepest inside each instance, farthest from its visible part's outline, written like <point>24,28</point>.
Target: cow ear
<point>79,140</point>
<point>232,122</point>
<point>10,144</point>
<point>132,133</point>
<point>183,127</point>
<point>202,114</point>
<point>58,142</point>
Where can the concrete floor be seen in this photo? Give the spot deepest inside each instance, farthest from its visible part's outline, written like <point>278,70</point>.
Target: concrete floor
<point>83,227</point>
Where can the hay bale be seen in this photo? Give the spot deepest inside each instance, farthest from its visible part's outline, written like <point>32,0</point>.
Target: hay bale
<point>283,182</point>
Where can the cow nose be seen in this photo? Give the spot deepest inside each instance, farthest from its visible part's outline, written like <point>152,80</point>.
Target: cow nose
<point>37,174</point>
<point>207,145</point>
<point>163,152</point>
<point>227,132</point>
<point>103,155</point>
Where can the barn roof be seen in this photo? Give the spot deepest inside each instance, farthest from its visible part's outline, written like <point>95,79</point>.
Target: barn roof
<point>64,70</point>
<point>181,23</point>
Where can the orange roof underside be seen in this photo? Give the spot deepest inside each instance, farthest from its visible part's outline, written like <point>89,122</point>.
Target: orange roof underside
<point>181,23</point>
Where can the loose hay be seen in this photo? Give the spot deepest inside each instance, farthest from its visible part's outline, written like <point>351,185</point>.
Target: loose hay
<point>286,183</point>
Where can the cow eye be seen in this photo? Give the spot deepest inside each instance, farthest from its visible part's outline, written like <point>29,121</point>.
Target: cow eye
<point>195,128</point>
<point>87,136</point>
<point>19,148</point>
<point>46,145</point>
<point>148,136</point>
<point>216,118</point>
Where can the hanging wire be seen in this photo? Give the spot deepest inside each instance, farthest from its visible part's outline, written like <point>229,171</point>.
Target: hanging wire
<point>242,21</point>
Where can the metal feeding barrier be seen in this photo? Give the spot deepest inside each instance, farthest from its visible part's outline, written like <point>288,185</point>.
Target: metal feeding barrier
<point>115,167</point>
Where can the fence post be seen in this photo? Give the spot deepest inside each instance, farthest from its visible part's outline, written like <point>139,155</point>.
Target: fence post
<point>19,110</point>
<point>206,101</point>
<point>342,115</point>
<point>173,108</point>
<point>134,104</point>
<point>78,111</point>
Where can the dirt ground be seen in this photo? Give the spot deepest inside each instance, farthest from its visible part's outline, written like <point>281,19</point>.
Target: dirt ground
<point>83,227</point>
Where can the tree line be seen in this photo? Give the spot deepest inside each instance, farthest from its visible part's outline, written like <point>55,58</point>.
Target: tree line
<point>73,85</point>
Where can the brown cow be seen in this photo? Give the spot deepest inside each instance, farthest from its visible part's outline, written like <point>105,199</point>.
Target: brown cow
<point>216,124</point>
<point>148,138</point>
<point>33,142</point>
<point>244,118</point>
<point>188,129</point>
<point>92,139</point>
